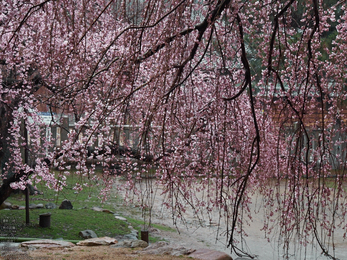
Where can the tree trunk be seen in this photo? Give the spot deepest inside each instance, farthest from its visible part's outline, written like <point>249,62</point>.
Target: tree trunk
<point>5,119</point>
<point>5,190</point>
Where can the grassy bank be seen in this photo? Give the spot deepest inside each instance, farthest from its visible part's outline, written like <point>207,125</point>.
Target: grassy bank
<point>66,224</point>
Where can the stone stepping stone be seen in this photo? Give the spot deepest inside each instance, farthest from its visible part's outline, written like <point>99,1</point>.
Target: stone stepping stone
<point>131,244</point>
<point>208,254</point>
<point>164,248</point>
<point>99,241</point>
<point>47,243</point>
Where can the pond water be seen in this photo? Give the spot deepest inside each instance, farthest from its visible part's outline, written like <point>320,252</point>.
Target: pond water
<point>197,233</point>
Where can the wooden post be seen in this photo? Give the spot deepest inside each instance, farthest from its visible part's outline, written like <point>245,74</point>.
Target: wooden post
<point>144,235</point>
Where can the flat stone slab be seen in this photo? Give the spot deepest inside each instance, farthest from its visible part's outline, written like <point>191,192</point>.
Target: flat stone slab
<point>138,243</point>
<point>47,243</point>
<point>164,248</point>
<point>98,241</point>
<point>131,244</point>
<point>208,254</point>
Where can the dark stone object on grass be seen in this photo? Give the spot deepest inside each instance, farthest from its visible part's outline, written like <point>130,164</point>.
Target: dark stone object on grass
<point>66,204</point>
<point>50,205</point>
<point>88,234</point>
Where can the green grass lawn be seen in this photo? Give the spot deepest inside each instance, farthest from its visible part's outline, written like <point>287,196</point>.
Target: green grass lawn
<point>66,224</point>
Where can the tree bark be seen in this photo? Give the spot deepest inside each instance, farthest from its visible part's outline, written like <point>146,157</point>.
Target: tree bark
<point>5,190</point>
<point>5,119</point>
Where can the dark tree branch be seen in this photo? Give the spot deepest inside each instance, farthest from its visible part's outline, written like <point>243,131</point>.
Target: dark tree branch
<point>26,17</point>
<point>273,36</point>
<point>256,141</point>
<point>209,20</point>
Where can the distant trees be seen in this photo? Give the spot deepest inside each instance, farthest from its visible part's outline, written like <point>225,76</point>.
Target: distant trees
<point>231,96</point>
